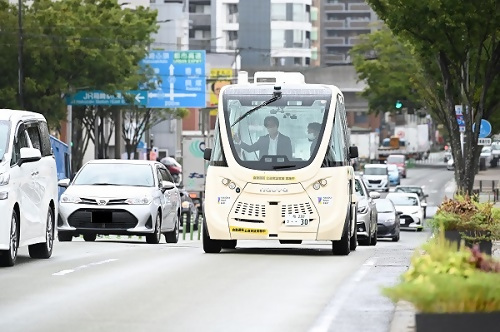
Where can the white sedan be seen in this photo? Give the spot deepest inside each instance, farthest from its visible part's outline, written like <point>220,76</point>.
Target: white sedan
<point>412,211</point>
<point>120,197</point>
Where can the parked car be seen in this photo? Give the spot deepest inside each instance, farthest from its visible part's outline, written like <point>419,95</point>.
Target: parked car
<point>28,186</point>
<point>394,176</point>
<point>416,190</point>
<point>400,161</point>
<point>120,197</point>
<point>447,155</point>
<point>188,208</point>
<point>486,153</point>
<point>174,168</point>
<point>376,177</point>
<point>412,213</point>
<point>388,223</point>
<point>366,221</point>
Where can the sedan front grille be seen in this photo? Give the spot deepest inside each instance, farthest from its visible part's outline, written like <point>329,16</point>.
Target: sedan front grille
<point>102,219</point>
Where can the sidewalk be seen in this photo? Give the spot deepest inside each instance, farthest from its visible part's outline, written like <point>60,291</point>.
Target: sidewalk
<point>404,312</point>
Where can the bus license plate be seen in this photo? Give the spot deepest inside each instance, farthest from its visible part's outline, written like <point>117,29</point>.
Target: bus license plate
<point>296,220</point>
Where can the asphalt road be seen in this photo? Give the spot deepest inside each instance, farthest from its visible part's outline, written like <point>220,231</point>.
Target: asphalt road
<point>113,285</point>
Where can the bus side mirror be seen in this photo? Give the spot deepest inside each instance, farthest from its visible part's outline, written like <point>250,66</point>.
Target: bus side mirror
<point>353,152</point>
<point>207,154</point>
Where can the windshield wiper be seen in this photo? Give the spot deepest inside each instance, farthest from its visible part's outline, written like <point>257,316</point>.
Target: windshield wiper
<point>276,96</point>
<point>104,184</point>
<point>283,166</point>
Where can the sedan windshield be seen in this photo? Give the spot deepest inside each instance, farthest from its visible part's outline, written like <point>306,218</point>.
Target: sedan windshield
<point>375,171</point>
<point>282,135</point>
<point>384,206</point>
<point>4,137</point>
<point>402,200</point>
<point>411,190</point>
<point>113,174</point>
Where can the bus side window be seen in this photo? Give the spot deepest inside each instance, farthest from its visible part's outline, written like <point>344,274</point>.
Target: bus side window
<point>336,152</point>
<point>218,157</point>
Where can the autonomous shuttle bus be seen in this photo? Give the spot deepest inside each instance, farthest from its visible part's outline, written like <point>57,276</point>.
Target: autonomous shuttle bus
<point>280,166</point>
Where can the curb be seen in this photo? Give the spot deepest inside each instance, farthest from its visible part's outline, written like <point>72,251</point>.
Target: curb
<point>404,318</point>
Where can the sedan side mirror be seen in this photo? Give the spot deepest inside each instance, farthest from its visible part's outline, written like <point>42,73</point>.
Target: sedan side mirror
<point>63,183</point>
<point>353,152</point>
<point>167,185</point>
<point>207,154</point>
<point>374,195</point>
<point>29,155</point>
<point>426,195</point>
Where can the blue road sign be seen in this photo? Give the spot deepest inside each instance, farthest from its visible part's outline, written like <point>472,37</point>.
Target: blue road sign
<point>140,98</point>
<point>484,128</point>
<point>180,79</point>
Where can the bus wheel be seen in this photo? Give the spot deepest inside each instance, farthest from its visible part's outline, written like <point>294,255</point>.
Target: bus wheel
<point>354,240</point>
<point>342,247</point>
<point>210,246</point>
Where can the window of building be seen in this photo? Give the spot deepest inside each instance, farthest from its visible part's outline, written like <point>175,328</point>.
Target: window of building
<point>360,117</point>
<point>278,12</point>
<point>299,13</point>
<point>278,39</point>
<point>232,8</point>
<point>232,35</point>
<point>297,61</point>
<point>314,33</point>
<point>298,38</point>
<point>314,14</point>
<point>332,33</point>
<point>314,53</point>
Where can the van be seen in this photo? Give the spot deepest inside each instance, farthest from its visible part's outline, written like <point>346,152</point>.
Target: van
<point>376,177</point>
<point>28,186</point>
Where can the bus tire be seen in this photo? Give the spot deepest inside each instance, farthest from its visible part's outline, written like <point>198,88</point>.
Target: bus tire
<point>229,244</point>
<point>354,240</point>
<point>210,246</point>
<point>342,247</point>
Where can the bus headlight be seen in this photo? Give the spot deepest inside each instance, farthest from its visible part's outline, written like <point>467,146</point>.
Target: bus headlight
<point>232,185</point>
<point>225,181</point>
<point>4,179</point>
<point>322,182</point>
<point>316,185</point>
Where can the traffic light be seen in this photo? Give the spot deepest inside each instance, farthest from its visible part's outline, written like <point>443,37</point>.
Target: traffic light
<point>399,104</point>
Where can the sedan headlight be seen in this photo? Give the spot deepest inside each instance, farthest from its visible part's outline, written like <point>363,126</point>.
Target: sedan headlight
<point>70,199</point>
<point>389,221</point>
<point>139,201</point>
<point>185,205</point>
<point>363,209</point>
<point>4,179</point>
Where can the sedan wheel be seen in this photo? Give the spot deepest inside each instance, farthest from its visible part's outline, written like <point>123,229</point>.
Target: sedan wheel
<point>173,236</point>
<point>8,257</point>
<point>156,236</point>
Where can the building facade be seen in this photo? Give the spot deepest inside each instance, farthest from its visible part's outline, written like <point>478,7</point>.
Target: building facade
<point>342,23</point>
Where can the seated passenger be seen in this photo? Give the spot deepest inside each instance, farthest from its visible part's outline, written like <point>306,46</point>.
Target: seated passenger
<point>313,130</point>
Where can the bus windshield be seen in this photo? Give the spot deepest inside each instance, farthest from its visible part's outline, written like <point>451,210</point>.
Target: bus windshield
<point>280,136</point>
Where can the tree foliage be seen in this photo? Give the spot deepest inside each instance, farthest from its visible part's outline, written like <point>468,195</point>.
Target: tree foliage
<point>457,39</point>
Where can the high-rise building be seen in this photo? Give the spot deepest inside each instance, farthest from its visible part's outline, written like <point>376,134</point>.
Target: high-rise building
<point>262,32</point>
<point>342,23</point>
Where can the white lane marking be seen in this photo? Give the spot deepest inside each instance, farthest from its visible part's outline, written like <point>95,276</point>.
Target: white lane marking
<point>64,272</point>
<point>328,315</point>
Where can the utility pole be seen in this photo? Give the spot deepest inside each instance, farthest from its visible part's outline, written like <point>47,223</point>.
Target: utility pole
<point>20,54</point>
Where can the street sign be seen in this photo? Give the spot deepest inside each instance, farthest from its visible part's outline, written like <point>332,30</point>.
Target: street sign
<point>98,97</point>
<point>179,80</point>
<point>219,77</point>
<point>460,118</point>
<point>484,141</point>
<point>484,128</point>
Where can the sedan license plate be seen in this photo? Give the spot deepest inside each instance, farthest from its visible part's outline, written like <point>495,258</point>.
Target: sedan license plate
<point>296,220</point>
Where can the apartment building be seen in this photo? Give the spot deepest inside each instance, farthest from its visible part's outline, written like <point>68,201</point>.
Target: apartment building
<point>342,23</point>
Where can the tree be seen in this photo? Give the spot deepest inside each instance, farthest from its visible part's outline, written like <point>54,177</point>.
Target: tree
<point>459,40</point>
<point>138,120</point>
<point>387,66</point>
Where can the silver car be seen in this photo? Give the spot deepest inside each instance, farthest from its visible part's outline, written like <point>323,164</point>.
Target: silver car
<point>366,222</point>
<point>120,197</point>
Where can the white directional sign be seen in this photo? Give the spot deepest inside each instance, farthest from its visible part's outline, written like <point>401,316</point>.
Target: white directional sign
<point>484,141</point>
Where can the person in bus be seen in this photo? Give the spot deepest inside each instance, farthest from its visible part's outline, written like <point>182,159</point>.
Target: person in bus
<point>313,130</point>
<point>274,143</point>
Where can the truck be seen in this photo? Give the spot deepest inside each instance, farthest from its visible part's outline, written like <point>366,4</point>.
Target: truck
<point>410,140</point>
<point>367,143</point>
<point>63,161</point>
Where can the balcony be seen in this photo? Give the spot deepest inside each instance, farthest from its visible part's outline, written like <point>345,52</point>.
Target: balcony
<point>335,24</point>
<point>359,7</point>
<point>339,7</point>
<point>200,20</point>
<point>354,40</point>
<point>334,41</point>
<point>334,58</point>
<point>199,44</point>
<point>359,25</point>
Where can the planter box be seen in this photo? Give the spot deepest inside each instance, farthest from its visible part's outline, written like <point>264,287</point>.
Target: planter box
<point>457,322</point>
<point>455,236</point>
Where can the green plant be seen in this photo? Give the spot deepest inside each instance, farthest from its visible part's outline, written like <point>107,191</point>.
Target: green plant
<point>442,279</point>
<point>475,221</point>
